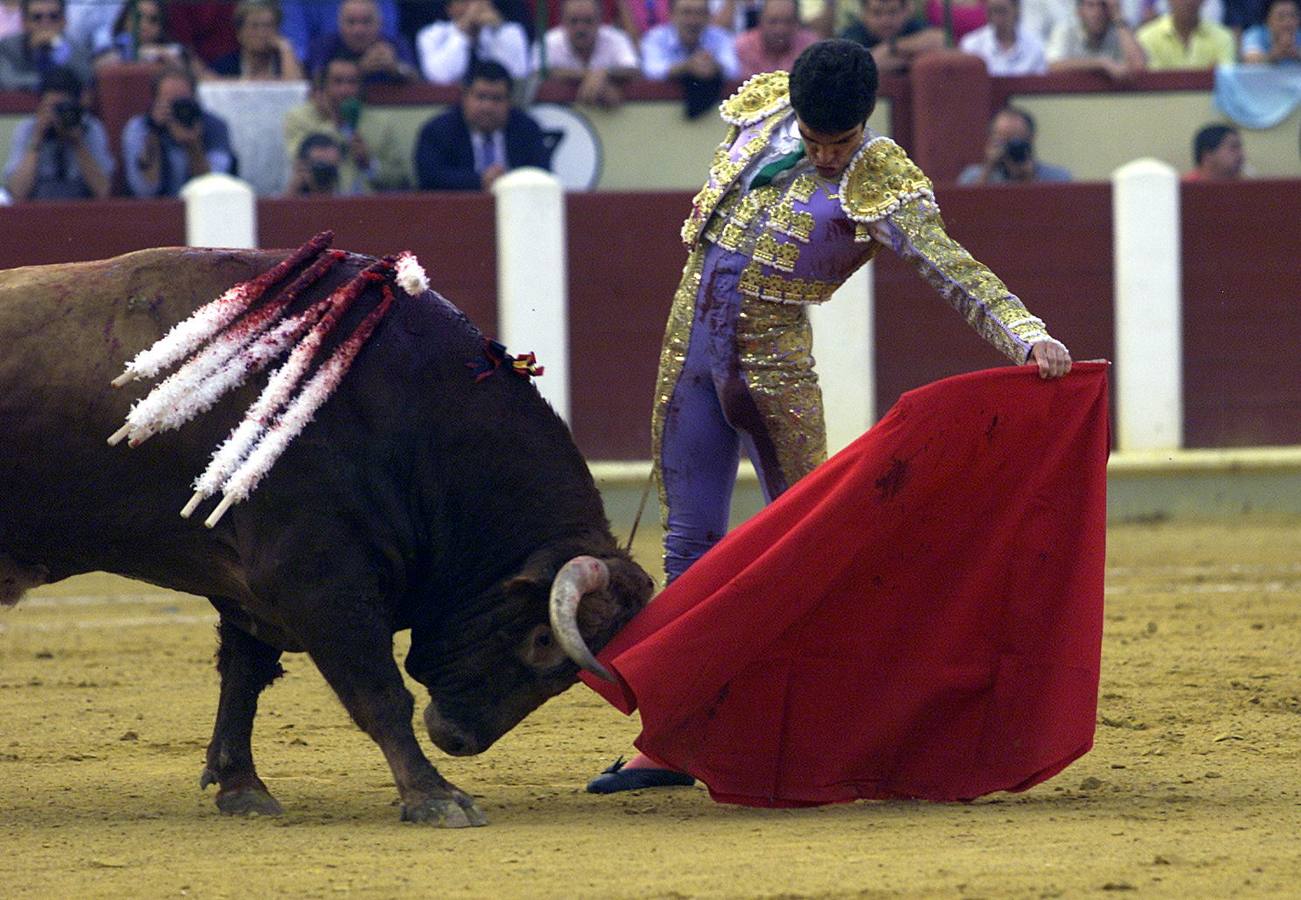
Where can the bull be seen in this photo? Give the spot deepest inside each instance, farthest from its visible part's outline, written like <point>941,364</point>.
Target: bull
<point>423,496</point>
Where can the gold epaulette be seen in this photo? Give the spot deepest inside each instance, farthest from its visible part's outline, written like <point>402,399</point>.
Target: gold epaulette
<point>761,96</point>
<point>879,180</point>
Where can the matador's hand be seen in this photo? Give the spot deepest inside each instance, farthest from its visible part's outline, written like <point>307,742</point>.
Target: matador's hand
<point>1052,357</point>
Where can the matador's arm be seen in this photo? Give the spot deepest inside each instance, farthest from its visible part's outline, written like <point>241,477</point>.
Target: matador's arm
<point>916,232</point>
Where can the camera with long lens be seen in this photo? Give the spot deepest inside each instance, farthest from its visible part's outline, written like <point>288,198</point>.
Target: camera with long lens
<point>1017,150</point>
<point>186,111</point>
<point>324,175</point>
<point>68,114</point>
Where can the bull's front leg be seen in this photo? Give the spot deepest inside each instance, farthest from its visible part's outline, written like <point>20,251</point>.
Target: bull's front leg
<point>356,658</point>
<point>247,666</point>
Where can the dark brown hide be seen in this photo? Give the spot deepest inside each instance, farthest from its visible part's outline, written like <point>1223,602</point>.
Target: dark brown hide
<point>417,498</point>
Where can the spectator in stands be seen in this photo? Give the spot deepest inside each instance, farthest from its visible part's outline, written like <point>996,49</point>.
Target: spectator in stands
<point>640,16</point>
<point>599,58</point>
<point>775,41</point>
<point>477,141</point>
<point>474,30</point>
<point>1004,44</point>
<point>1044,16</point>
<point>736,16</point>
<point>967,15</point>
<point>139,34</point>
<point>25,58</point>
<point>207,27</point>
<point>384,57</point>
<point>264,54</point>
<point>1097,42</point>
<point>894,34</point>
<point>11,18</point>
<point>689,46</point>
<point>89,20</point>
<point>62,151</point>
<point>1278,38</point>
<point>1218,154</point>
<point>1181,39</point>
<point>176,140</point>
<point>1239,15</point>
<point>373,157</point>
<point>316,168</point>
<point>1009,153</point>
<point>1140,12</point>
<point>309,23</point>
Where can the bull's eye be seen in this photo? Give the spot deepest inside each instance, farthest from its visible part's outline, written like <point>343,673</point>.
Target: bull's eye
<point>543,639</point>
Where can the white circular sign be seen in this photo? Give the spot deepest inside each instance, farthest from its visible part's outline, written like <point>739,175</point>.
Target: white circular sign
<point>575,146</point>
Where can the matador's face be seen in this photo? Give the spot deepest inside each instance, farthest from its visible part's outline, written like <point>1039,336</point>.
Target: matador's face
<point>831,153</point>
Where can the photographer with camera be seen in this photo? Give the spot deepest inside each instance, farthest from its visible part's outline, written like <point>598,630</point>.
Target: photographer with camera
<point>374,158</point>
<point>316,168</point>
<point>62,151</point>
<point>175,141</point>
<point>1009,153</point>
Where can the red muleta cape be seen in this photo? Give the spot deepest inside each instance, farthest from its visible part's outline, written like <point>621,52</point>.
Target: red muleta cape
<point>919,617</point>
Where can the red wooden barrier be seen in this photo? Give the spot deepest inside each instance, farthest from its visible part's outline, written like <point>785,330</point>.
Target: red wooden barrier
<point>1052,244</point>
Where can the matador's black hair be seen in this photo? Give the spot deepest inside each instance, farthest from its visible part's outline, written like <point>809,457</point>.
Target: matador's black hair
<point>833,86</point>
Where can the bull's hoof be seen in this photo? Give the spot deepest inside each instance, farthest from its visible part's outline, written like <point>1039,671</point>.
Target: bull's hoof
<point>457,811</point>
<point>244,796</point>
<point>248,802</point>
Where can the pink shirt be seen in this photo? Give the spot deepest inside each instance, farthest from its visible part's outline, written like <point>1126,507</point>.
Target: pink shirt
<point>966,19</point>
<point>755,58</point>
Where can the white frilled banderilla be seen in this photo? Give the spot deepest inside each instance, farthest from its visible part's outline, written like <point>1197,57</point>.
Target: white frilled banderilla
<point>240,333</point>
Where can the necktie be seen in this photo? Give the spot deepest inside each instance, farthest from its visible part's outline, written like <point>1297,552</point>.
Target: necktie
<point>778,165</point>
<point>489,153</point>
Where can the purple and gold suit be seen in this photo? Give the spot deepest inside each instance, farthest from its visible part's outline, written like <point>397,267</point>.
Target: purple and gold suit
<point>736,366</point>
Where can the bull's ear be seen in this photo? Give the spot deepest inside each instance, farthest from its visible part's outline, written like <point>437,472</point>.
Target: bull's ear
<point>527,584</point>
<point>540,650</point>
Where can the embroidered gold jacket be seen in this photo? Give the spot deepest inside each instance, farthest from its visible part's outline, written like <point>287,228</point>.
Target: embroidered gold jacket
<point>804,235</point>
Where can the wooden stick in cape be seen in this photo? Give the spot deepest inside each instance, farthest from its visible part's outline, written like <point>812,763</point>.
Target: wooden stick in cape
<point>218,368</point>
<point>299,412</point>
<point>279,388</point>
<point>210,318</point>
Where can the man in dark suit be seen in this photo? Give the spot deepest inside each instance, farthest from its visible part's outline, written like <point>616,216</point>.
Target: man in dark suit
<point>471,145</point>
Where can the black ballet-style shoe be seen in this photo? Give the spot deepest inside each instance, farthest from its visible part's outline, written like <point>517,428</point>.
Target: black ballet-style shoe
<point>618,778</point>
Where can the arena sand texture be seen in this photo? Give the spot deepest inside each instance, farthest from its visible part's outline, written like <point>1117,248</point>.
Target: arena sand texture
<point>107,693</point>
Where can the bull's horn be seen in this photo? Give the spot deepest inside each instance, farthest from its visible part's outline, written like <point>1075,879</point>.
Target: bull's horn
<point>576,578</point>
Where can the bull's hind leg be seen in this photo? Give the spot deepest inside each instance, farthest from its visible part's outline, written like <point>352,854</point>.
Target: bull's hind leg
<point>18,578</point>
<point>356,658</point>
<point>247,666</point>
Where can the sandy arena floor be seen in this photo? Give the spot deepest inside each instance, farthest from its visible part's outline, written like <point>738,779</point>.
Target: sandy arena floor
<point>107,693</point>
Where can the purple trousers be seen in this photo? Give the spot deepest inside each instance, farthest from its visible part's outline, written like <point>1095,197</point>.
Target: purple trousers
<point>711,417</point>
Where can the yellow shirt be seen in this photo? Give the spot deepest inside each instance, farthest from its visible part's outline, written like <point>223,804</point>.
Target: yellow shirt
<point>1208,46</point>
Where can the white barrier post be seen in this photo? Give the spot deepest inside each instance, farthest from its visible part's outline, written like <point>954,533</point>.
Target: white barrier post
<point>846,359</point>
<point>1149,340</point>
<point>220,211</point>
<point>532,281</point>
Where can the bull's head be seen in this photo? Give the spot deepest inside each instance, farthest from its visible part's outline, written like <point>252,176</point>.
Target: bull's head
<point>522,643</point>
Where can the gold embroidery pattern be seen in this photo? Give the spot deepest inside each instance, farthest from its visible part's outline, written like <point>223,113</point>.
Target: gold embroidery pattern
<point>803,188</point>
<point>785,219</point>
<point>761,96</point>
<point>970,287</point>
<point>879,180</point>
<point>775,351</point>
<point>753,283</point>
<point>769,251</point>
<point>722,174</point>
<point>673,356</point>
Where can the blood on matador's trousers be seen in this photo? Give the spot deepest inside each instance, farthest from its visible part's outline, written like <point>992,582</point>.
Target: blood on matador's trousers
<point>736,372</point>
